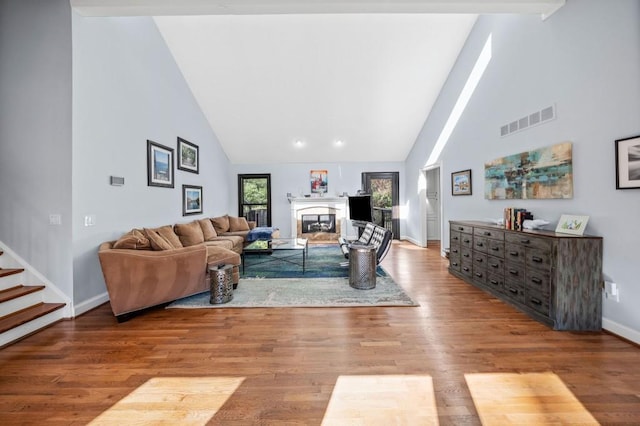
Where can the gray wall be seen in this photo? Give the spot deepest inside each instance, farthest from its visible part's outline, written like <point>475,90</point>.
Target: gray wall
<point>35,134</point>
<point>294,178</point>
<point>585,59</point>
<point>127,88</point>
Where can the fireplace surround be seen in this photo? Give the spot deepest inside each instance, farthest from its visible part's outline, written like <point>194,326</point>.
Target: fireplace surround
<point>320,219</point>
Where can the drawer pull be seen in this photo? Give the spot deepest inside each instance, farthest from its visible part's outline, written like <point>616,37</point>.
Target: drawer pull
<point>513,290</point>
<point>454,263</point>
<point>513,253</point>
<point>536,301</point>
<point>460,228</point>
<point>513,272</point>
<point>465,255</point>
<point>494,265</point>
<point>494,282</point>
<point>454,250</point>
<point>536,280</point>
<point>537,259</point>
<point>467,240</point>
<point>479,260</point>
<point>455,238</point>
<point>479,244</point>
<point>525,241</point>
<point>479,274</point>
<point>466,269</point>
<point>495,248</point>
<point>487,233</point>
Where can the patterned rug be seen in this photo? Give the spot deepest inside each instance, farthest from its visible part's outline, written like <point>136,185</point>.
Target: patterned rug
<point>303,292</point>
<point>321,262</point>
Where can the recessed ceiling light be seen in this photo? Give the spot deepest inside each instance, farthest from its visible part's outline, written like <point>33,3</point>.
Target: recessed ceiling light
<point>299,143</point>
<point>338,143</point>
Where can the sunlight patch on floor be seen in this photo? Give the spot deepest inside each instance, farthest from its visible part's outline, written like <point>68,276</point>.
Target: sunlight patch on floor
<point>525,399</point>
<point>172,400</point>
<point>382,400</point>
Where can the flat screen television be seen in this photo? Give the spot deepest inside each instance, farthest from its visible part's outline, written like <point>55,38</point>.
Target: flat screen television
<point>360,208</point>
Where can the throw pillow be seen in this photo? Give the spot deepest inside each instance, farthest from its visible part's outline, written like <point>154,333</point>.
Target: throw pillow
<point>190,233</point>
<point>208,231</point>
<point>221,224</point>
<point>158,242</point>
<point>134,240</point>
<point>238,224</point>
<point>169,234</point>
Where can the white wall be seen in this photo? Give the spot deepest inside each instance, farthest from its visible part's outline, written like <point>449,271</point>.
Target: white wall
<point>294,178</point>
<point>585,59</point>
<point>127,88</point>
<point>35,134</point>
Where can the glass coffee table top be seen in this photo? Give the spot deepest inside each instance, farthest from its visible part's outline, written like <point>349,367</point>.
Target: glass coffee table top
<point>277,244</point>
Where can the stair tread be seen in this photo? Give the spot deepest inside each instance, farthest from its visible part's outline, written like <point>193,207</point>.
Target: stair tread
<point>28,314</point>
<point>18,291</point>
<point>6,272</point>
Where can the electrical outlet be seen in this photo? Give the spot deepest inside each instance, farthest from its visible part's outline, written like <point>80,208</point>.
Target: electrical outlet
<point>611,291</point>
<point>55,219</point>
<point>90,220</point>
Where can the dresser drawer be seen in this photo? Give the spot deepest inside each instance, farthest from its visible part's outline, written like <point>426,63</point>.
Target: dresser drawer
<point>539,281</point>
<point>514,291</point>
<point>495,281</point>
<point>489,233</point>
<point>454,238</point>
<point>540,259</point>
<point>465,253</point>
<point>528,240</point>
<point>462,228</point>
<point>454,261</point>
<point>466,268</point>
<point>496,248</point>
<point>538,302</point>
<point>514,273</point>
<point>479,259</point>
<point>479,274</point>
<point>466,240</point>
<point>495,265</point>
<point>514,253</point>
<point>454,251</point>
<point>480,244</point>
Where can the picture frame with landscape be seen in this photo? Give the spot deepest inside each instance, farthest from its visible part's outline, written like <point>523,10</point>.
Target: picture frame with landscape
<point>461,182</point>
<point>191,200</point>
<point>159,165</point>
<point>188,156</point>
<point>572,224</point>
<point>628,163</point>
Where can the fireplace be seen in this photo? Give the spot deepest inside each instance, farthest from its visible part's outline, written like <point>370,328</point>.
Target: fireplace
<point>312,223</point>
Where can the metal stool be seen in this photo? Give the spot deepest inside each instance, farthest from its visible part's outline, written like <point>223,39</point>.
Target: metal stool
<point>362,267</point>
<point>221,277</point>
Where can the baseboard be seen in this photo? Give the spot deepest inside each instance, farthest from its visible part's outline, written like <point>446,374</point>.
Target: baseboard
<point>621,330</point>
<point>92,303</point>
<point>412,241</point>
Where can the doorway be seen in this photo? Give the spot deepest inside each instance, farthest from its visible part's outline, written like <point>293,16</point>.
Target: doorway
<point>384,188</point>
<point>433,197</point>
<point>254,198</point>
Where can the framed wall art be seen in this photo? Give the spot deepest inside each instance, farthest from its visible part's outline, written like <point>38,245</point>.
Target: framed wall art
<point>191,200</point>
<point>159,165</point>
<point>461,182</point>
<point>319,183</point>
<point>628,163</point>
<point>572,224</point>
<point>188,156</point>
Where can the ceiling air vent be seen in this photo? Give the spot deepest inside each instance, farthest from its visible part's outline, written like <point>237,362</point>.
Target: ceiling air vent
<point>533,119</point>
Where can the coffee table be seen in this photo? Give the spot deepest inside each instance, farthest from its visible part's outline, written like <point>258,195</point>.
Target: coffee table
<point>267,247</point>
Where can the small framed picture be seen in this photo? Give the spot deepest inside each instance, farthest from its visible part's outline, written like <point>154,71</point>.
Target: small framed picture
<point>571,224</point>
<point>188,156</point>
<point>461,182</point>
<point>191,200</point>
<point>159,165</point>
<point>628,163</point>
<point>318,180</point>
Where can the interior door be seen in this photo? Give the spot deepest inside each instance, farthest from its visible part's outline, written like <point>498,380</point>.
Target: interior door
<point>384,188</point>
<point>433,204</point>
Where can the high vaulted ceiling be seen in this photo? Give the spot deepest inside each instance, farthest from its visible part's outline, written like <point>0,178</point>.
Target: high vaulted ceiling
<point>309,81</point>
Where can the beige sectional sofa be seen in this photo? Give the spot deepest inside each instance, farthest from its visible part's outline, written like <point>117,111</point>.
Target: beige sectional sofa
<point>151,266</point>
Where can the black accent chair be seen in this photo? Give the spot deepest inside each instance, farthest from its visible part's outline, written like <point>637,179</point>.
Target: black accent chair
<point>373,235</point>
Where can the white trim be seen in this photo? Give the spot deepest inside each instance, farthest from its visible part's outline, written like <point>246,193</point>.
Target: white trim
<point>621,330</point>
<point>411,240</point>
<point>92,303</point>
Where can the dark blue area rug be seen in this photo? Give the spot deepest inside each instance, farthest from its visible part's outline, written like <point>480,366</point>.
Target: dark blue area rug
<point>323,261</point>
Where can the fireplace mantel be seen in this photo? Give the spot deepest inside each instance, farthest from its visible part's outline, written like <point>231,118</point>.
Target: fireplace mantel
<point>337,204</point>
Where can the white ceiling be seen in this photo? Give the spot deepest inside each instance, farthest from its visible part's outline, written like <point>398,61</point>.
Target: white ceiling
<point>268,74</point>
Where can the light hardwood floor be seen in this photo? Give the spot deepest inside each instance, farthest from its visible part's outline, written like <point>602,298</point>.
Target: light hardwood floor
<point>462,357</point>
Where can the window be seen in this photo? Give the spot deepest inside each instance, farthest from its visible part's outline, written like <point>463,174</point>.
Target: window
<point>254,198</point>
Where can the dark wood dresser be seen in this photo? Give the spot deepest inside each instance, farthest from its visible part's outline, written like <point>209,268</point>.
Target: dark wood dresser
<point>554,278</point>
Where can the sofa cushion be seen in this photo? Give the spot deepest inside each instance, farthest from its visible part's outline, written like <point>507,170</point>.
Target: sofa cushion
<point>221,223</point>
<point>238,224</point>
<point>134,239</point>
<point>168,239</point>
<point>219,255</point>
<point>190,233</point>
<point>208,231</point>
<point>219,242</point>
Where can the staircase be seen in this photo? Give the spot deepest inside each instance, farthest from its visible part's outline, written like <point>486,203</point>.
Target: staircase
<point>23,310</point>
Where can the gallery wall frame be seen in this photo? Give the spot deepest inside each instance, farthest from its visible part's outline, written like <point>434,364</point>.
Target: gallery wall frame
<point>628,163</point>
<point>461,182</point>
<point>188,156</point>
<point>159,165</point>
<point>191,200</point>
<point>319,183</point>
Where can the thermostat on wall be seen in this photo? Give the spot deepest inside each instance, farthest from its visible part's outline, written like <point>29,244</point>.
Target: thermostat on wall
<point>117,180</point>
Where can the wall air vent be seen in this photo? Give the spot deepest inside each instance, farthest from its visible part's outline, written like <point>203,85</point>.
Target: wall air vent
<point>533,119</point>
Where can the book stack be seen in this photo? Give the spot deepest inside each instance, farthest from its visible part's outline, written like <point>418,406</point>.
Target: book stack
<point>513,218</point>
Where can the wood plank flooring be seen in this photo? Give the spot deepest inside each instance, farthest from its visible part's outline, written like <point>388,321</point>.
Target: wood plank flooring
<point>461,358</point>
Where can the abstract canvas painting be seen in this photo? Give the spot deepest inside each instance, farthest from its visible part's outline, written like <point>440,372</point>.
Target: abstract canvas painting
<point>542,173</point>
